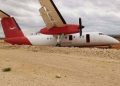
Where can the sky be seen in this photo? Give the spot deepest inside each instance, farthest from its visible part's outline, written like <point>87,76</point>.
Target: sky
<point>97,15</point>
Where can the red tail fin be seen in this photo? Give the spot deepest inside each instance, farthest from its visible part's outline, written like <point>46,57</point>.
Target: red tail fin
<point>11,28</point>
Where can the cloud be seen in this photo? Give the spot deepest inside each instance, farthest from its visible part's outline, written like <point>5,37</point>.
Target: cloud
<point>97,15</point>
<point>101,15</point>
<point>26,13</point>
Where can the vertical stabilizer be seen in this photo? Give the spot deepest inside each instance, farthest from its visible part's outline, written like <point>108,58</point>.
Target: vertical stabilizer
<point>11,28</point>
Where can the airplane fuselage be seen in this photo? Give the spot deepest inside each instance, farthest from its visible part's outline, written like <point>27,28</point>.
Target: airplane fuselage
<point>87,39</point>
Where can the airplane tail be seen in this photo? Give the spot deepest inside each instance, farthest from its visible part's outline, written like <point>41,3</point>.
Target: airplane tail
<point>10,27</point>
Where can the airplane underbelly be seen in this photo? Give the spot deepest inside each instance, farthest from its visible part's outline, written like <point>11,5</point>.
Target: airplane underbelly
<point>66,43</point>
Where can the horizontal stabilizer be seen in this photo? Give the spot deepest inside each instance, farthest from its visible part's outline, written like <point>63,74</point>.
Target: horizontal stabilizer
<point>3,14</point>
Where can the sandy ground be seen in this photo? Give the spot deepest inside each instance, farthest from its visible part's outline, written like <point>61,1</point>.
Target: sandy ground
<point>53,66</point>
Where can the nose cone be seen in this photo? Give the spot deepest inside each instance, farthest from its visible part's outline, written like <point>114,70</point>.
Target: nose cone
<point>114,41</point>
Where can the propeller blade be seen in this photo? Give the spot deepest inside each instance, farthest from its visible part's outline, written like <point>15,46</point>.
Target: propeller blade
<point>80,26</point>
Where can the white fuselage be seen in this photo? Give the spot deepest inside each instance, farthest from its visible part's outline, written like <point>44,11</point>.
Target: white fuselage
<point>87,39</point>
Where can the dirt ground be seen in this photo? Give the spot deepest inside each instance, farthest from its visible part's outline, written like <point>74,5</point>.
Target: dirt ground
<point>54,66</point>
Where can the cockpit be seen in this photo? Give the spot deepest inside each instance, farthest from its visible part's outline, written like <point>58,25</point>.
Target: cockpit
<point>101,34</point>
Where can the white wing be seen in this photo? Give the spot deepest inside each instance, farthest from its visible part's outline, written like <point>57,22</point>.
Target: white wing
<point>50,14</point>
<point>3,14</point>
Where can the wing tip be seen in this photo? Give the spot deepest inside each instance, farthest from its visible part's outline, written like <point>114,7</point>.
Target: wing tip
<point>6,15</point>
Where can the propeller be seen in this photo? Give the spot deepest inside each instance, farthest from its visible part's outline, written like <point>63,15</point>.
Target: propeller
<point>80,26</point>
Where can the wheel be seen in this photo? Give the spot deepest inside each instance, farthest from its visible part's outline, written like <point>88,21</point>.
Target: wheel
<point>58,45</point>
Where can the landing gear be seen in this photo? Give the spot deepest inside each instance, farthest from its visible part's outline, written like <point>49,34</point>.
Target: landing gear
<point>59,39</point>
<point>58,45</point>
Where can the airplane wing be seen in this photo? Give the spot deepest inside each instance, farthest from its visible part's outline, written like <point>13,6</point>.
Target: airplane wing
<point>51,14</point>
<point>3,14</point>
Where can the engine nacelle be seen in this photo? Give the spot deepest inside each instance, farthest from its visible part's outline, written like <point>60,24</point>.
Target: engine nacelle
<point>67,29</point>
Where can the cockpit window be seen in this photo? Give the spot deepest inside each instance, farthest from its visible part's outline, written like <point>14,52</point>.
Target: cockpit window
<point>101,34</point>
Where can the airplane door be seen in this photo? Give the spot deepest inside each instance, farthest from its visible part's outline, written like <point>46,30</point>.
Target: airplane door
<point>70,37</point>
<point>87,38</point>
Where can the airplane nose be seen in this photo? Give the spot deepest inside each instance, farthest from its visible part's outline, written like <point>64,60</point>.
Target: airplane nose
<point>114,41</point>
<point>117,42</point>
